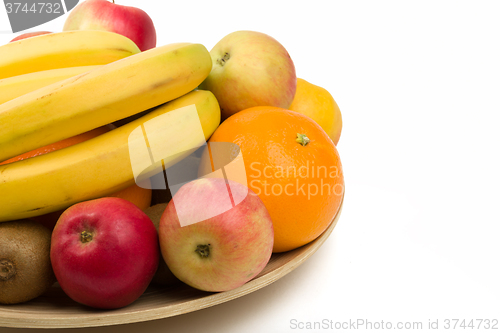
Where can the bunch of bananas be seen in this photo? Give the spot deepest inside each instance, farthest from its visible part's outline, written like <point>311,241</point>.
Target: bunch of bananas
<point>59,85</point>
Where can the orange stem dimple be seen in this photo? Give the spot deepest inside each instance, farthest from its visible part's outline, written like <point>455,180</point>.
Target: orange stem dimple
<point>302,139</point>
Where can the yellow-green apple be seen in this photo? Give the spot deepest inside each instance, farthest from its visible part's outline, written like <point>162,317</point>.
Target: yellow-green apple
<point>104,252</point>
<point>250,69</point>
<point>30,34</point>
<point>216,236</point>
<point>130,22</point>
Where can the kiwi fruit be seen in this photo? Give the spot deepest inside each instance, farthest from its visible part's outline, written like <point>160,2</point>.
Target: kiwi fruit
<point>25,268</point>
<point>163,276</point>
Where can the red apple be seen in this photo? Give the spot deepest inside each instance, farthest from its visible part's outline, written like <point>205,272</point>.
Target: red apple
<point>130,22</point>
<point>216,236</point>
<point>30,34</point>
<point>104,252</point>
<point>250,69</point>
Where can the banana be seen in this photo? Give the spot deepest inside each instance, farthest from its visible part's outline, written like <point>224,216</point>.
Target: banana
<point>16,86</point>
<point>63,49</point>
<point>101,96</point>
<point>103,165</point>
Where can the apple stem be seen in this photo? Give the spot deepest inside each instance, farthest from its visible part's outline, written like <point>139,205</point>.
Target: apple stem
<point>85,236</point>
<point>203,250</point>
<point>222,61</point>
<point>7,269</point>
<point>302,139</point>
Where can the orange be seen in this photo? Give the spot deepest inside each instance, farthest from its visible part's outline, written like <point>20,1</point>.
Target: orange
<point>61,144</point>
<point>135,194</point>
<point>292,165</point>
<point>316,102</point>
<point>139,196</point>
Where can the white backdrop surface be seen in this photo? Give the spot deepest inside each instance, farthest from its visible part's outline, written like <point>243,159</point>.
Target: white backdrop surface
<point>418,85</point>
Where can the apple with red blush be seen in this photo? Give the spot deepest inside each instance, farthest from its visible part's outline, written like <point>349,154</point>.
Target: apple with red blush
<point>104,252</point>
<point>128,21</point>
<point>30,34</point>
<point>216,236</point>
<point>250,69</point>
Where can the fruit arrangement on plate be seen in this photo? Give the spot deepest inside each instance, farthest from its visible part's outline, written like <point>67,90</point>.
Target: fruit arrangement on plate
<point>127,165</point>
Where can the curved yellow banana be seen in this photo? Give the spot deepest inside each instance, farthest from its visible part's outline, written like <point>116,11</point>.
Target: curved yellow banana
<point>101,96</point>
<point>19,85</point>
<point>63,49</point>
<point>101,165</point>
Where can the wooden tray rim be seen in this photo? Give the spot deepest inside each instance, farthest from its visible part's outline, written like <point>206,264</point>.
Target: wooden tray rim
<point>26,319</point>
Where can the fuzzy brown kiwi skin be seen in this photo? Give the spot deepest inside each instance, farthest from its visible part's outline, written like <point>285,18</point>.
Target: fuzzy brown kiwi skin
<point>25,269</point>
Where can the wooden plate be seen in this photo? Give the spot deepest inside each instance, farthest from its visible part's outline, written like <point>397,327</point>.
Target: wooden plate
<point>56,310</point>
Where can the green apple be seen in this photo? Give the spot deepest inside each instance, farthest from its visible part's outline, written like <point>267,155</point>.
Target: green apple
<point>250,69</point>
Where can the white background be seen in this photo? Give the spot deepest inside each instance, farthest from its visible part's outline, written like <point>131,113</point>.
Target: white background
<point>418,85</point>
